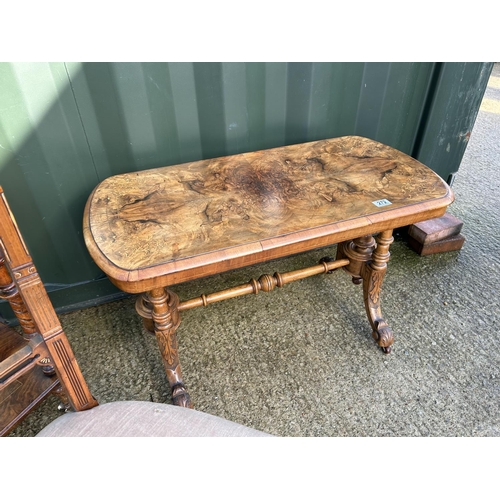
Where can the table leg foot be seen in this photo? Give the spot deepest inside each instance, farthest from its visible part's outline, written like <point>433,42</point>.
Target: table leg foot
<point>373,275</point>
<point>383,335</point>
<point>180,396</point>
<point>166,319</point>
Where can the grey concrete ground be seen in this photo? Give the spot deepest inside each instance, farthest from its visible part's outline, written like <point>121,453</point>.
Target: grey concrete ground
<point>300,361</point>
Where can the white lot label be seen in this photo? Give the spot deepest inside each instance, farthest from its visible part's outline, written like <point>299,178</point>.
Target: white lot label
<point>381,203</point>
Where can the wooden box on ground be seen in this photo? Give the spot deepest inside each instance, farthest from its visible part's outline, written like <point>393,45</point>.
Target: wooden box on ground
<point>441,234</point>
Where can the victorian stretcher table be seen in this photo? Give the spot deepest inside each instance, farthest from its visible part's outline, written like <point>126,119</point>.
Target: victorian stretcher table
<point>151,229</point>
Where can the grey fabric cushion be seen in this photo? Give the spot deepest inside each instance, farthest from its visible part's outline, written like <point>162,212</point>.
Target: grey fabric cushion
<point>144,419</point>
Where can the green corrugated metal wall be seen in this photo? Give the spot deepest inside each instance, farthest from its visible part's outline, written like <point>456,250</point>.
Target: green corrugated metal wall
<point>64,127</point>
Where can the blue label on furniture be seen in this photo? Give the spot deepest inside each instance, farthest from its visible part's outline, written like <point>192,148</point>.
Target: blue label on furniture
<point>381,203</point>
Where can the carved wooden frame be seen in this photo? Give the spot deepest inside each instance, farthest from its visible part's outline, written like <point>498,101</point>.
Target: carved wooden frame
<point>46,342</point>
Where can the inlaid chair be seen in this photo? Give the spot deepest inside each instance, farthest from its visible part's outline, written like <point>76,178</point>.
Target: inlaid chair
<point>38,361</point>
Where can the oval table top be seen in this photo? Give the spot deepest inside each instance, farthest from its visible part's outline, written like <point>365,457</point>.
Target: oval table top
<point>171,224</point>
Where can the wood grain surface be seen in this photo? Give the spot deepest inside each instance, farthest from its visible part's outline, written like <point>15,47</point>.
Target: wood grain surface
<point>39,360</point>
<point>140,226</point>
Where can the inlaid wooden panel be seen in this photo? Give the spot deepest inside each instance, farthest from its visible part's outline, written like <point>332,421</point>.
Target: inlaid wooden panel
<point>10,341</point>
<point>173,217</point>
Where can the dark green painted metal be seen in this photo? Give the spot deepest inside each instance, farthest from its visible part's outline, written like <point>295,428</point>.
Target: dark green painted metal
<point>64,127</point>
<point>47,172</point>
<point>454,101</point>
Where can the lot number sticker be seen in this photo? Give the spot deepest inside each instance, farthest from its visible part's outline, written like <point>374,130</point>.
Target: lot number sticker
<point>381,203</point>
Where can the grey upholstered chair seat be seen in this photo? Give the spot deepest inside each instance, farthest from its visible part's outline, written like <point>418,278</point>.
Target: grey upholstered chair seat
<point>144,419</point>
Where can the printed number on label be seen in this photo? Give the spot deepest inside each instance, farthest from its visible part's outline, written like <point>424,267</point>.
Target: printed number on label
<point>381,203</point>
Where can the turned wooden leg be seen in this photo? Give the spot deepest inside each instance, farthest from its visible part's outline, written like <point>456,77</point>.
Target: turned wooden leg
<point>373,274</point>
<point>144,309</point>
<point>358,251</point>
<point>166,319</point>
<point>10,292</point>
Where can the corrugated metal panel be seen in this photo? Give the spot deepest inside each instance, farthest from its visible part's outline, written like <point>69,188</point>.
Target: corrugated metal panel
<point>142,115</point>
<point>455,100</point>
<point>66,126</point>
<point>45,167</point>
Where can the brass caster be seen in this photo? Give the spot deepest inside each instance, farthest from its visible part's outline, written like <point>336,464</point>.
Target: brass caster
<point>63,407</point>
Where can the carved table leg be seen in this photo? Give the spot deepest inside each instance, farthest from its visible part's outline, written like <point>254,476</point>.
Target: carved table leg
<point>358,251</point>
<point>166,319</point>
<point>373,274</point>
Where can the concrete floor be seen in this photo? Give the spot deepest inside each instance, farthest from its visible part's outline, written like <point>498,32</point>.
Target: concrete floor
<point>300,361</point>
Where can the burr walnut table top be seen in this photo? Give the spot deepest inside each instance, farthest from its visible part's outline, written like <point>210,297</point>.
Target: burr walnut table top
<point>169,225</point>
